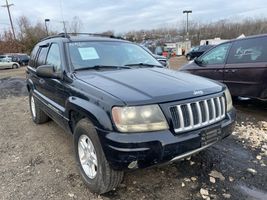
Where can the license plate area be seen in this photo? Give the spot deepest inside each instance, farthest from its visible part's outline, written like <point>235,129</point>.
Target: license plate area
<point>210,135</point>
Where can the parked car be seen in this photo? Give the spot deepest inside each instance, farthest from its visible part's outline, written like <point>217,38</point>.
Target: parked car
<point>197,51</point>
<point>124,110</point>
<point>8,64</point>
<point>162,59</point>
<point>241,64</point>
<point>22,59</point>
<point>6,58</point>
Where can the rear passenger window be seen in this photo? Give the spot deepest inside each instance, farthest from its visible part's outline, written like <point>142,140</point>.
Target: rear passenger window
<point>33,56</point>
<point>42,56</point>
<point>249,51</point>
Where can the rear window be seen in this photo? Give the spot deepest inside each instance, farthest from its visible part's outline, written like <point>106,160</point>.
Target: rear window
<point>249,51</point>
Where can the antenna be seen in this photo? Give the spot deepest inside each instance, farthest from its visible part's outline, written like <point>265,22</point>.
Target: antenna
<point>63,21</point>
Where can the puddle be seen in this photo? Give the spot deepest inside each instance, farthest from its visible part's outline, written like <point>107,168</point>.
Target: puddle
<point>12,87</point>
<point>253,193</point>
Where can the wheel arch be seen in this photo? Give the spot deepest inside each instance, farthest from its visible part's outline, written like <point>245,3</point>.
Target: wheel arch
<point>77,109</point>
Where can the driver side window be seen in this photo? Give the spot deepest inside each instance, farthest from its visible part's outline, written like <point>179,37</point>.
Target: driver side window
<point>216,55</point>
<point>53,57</point>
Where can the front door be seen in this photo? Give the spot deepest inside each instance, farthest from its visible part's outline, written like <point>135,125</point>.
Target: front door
<point>211,64</point>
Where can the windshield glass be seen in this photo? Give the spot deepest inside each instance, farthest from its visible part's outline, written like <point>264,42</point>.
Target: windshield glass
<point>90,54</point>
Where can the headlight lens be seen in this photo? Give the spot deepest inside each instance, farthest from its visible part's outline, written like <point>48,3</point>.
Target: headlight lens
<point>229,103</point>
<point>139,118</point>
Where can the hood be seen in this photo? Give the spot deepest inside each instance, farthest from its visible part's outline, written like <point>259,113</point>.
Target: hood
<point>190,65</point>
<point>159,57</point>
<point>149,85</point>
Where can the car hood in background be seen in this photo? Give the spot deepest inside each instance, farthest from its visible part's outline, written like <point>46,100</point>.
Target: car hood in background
<point>159,57</point>
<point>149,85</point>
<point>190,65</point>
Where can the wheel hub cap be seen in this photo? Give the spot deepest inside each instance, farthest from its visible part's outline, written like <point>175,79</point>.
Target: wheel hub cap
<point>33,107</point>
<point>87,156</point>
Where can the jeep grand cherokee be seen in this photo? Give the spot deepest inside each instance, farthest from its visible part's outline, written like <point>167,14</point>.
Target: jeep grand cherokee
<point>123,108</point>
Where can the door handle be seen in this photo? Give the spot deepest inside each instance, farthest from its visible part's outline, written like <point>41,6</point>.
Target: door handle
<point>230,70</point>
<point>219,70</point>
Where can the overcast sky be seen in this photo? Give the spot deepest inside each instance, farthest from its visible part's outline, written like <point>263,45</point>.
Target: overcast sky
<point>126,15</point>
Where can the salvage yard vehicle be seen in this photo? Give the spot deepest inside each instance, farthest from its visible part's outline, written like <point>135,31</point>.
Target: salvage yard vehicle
<point>123,108</point>
<point>241,64</point>
<point>4,64</point>
<point>22,59</point>
<point>162,59</point>
<point>197,51</point>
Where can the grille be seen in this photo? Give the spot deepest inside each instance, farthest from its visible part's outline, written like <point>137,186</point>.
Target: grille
<point>198,114</point>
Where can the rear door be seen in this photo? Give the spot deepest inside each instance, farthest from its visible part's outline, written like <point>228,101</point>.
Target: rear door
<point>211,64</point>
<point>246,67</point>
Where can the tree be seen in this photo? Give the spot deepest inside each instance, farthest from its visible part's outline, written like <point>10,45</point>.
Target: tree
<point>75,25</point>
<point>29,34</point>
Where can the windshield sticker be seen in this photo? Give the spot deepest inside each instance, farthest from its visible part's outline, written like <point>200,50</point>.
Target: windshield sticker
<point>88,53</point>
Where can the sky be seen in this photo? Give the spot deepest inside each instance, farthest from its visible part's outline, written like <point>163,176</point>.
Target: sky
<point>127,15</point>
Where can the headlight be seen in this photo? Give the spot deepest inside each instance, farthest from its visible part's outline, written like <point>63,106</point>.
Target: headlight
<point>229,103</point>
<point>139,118</point>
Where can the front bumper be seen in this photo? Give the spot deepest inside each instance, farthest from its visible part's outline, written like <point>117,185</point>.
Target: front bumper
<point>140,150</point>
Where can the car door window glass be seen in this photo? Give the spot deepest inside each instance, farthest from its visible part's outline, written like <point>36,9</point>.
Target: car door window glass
<point>216,55</point>
<point>53,57</point>
<point>248,51</point>
<point>33,56</point>
<point>42,56</point>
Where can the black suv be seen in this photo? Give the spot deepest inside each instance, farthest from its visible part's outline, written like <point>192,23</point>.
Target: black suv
<point>123,108</point>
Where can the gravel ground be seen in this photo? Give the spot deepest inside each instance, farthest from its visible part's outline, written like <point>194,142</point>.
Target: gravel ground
<point>37,162</point>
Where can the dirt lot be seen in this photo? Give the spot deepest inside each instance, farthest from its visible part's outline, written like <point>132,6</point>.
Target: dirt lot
<point>37,162</point>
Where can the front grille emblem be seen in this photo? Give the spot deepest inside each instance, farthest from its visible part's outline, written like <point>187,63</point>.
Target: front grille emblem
<point>198,92</point>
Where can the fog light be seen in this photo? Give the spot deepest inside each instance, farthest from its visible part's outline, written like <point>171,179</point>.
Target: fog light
<point>133,165</point>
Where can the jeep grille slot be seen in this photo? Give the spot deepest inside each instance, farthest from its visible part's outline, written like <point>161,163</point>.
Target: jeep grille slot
<point>193,115</point>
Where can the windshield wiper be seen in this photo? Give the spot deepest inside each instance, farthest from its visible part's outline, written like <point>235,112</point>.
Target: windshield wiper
<point>144,65</point>
<point>98,67</point>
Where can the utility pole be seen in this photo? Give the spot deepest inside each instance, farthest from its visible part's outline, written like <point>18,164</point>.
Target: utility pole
<point>11,23</point>
<point>187,12</point>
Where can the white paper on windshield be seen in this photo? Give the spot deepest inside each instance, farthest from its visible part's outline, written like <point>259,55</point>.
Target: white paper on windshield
<point>88,53</point>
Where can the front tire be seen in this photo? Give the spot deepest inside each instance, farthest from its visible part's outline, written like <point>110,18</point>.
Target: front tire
<point>38,116</point>
<point>188,57</point>
<point>91,161</point>
<point>14,66</point>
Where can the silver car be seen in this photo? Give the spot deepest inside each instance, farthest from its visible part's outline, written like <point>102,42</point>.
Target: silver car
<point>8,64</point>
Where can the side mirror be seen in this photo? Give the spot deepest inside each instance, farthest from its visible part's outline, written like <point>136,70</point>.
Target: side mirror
<point>47,71</point>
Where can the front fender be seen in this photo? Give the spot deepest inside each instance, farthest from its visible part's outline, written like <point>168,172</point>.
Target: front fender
<point>30,85</point>
<point>98,116</point>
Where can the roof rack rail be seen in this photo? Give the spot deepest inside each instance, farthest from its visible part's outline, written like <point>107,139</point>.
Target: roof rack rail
<point>97,35</point>
<point>62,35</point>
<point>67,35</point>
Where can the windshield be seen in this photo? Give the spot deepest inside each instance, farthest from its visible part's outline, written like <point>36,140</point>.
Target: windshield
<point>90,54</point>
